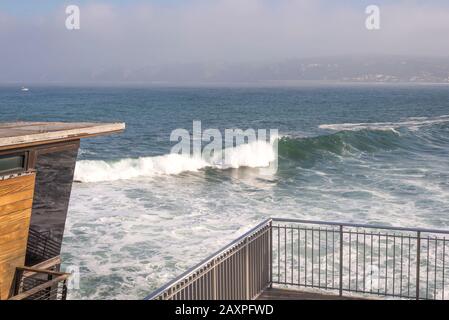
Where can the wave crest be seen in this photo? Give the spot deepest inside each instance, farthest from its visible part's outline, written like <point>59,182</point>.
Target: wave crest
<point>254,155</point>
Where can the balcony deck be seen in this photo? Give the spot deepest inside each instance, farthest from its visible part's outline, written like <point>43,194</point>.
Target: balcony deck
<point>288,294</point>
<point>16,135</point>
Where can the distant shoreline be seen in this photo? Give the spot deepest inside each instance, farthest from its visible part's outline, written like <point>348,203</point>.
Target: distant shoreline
<point>195,84</point>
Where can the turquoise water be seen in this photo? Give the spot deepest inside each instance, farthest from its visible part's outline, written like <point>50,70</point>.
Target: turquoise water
<point>368,154</point>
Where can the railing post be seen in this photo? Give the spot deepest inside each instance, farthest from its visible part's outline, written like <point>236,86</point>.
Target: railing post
<point>340,286</point>
<point>247,269</point>
<point>17,282</point>
<point>418,262</point>
<point>270,262</point>
<point>214,279</point>
<point>64,291</point>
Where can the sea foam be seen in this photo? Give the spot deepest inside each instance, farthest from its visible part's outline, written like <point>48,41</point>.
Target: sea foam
<point>410,123</point>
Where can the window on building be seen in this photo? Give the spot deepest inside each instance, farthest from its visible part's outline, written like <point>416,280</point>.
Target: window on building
<point>12,163</point>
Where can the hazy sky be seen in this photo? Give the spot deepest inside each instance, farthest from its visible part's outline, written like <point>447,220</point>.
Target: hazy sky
<point>36,45</point>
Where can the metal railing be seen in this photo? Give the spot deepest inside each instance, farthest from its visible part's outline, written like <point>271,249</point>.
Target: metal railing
<point>40,284</point>
<point>41,246</point>
<point>241,270</point>
<point>364,259</point>
<point>339,258</point>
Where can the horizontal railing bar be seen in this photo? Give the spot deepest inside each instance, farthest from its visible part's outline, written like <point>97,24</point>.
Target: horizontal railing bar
<point>38,288</point>
<point>43,271</point>
<point>336,231</point>
<point>43,245</point>
<point>47,264</point>
<point>358,225</point>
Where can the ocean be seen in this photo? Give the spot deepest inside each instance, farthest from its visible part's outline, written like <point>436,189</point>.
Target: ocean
<point>375,154</point>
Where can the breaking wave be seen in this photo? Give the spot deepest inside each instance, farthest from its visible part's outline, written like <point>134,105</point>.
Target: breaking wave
<point>351,138</point>
<point>253,155</point>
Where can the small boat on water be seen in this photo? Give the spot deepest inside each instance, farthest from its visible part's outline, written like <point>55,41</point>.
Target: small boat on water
<point>24,89</point>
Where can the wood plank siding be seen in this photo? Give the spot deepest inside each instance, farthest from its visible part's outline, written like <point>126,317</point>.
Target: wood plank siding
<point>16,199</point>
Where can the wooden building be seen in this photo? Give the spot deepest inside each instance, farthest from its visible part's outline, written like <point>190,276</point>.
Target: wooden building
<point>37,163</point>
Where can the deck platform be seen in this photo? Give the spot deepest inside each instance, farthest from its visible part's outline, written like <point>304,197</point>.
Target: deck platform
<point>24,134</point>
<point>286,294</point>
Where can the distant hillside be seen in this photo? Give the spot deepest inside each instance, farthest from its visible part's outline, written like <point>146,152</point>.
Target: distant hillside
<point>349,69</point>
<point>384,69</point>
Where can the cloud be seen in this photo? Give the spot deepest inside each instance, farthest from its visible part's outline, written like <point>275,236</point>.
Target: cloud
<point>117,37</point>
